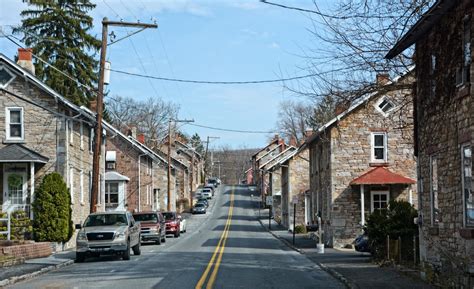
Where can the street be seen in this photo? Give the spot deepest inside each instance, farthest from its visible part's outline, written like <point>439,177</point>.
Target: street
<point>225,248</point>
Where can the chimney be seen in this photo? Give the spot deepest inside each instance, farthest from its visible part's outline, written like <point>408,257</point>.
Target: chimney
<point>141,138</point>
<point>293,141</point>
<point>25,59</point>
<point>132,131</point>
<point>308,132</point>
<point>382,78</point>
<point>93,105</point>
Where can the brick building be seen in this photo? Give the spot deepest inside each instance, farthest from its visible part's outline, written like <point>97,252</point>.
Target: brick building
<point>444,137</point>
<point>359,161</point>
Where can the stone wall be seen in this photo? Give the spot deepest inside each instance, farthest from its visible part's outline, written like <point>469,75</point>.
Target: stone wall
<point>445,125</point>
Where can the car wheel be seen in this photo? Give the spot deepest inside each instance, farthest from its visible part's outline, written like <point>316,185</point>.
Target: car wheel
<point>158,242</point>
<point>164,238</point>
<point>126,253</point>
<point>137,249</point>
<point>80,257</point>
<point>176,235</point>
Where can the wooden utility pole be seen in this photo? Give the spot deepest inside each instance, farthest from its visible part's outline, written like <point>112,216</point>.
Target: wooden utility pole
<point>170,138</point>
<point>100,105</point>
<point>206,164</point>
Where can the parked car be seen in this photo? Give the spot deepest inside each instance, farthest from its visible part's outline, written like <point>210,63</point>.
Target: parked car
<point>206,193</point>
<point>199,208</point>
<point>203,201</point>
<point>152,225</point>
<point>198,193</point>
<point>183,225</point>
<point>108,233</point>
<point>213,182</point>
<point>173,223</point>
<point>210,187</point>
<point>361,243</point>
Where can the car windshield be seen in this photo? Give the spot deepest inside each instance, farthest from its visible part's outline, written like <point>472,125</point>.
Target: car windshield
<point>106,220</point>
<point>206,191</point>
<point>169,216</point>
<point>199,205</point>
<point>146,217</point>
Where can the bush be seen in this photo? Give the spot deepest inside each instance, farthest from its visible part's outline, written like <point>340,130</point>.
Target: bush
<point>52,210</point>
<point>21,228</point>
<point>396,221</point>
<point>300,229</point>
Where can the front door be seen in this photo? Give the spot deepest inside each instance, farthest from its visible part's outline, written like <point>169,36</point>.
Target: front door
<point>14,191</point>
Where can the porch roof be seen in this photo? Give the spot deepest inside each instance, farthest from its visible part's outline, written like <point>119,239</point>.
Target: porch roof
<point>17,153</point>
<point>115,176</point>
<point>381,176</point>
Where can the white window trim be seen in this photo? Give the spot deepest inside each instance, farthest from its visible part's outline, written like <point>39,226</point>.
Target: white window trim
<point>11,74</point>
<point>372,147</point>
<point>377,106</point>
<point>70,126</point>
<point>464,219</point>
<point>81,186</point>
<point>7,123</point>
<point>372,193</point>
<point>91,139</point>
<point>81,131</point>
<point>432,219</point>
<point>71,184</point>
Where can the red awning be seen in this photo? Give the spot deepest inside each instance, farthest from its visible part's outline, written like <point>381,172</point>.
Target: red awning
<point>381,176</point>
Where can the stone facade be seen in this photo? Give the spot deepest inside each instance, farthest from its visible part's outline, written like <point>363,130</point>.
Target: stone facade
<point>445,133</point>
<point>345,150</point>
<point>54,129</point>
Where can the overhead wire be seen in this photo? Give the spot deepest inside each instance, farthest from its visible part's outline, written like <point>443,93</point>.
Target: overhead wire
<point>232,130</point>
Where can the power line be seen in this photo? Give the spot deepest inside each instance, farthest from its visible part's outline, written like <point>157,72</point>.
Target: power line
<point>231,130</point>
<point>214,82</point>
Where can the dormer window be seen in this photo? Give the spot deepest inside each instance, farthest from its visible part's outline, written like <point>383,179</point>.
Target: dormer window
<point>5,77</point>
<point>385,106</point>
<point>110,160</point>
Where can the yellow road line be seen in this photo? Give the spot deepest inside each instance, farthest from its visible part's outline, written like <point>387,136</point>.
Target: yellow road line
<point>218,251</point>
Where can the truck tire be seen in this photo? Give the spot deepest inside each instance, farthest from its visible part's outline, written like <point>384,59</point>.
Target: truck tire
<point>176,235</point>
<point>158,241</point>
<point>126,253</point>
<point>80,257</point>
<point>137,249</point>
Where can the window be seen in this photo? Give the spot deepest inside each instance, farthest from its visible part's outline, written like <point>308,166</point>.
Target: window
<point>379,147</point>
<point>111,195</point>
<point>435,213</point>
<point>70,126</point>
<point>81,186</point>
<point>71,184</point>
<point>110,165</point>
<point>433,64</point>
<point>463,72</point>
<point>5,77</point>
<point>81,131</point>
<point>378,200</point>
<point>466,159</point>
<point>91,139</point>
<point>14,123</point>
<point>385,106</point>
<point>147,194</point>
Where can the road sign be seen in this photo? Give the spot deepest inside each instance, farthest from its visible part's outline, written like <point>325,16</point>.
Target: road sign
<point>294,200</point>
<point>269,201</point>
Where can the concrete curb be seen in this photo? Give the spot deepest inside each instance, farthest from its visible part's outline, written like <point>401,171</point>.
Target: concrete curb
<point>348,283</point>
<point>16,279</point>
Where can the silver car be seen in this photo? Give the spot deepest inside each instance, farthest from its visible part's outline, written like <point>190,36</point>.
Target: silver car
<point>108,233</point>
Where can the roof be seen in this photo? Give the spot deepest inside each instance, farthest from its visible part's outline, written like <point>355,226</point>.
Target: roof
<point>190,148</point>
<point>268,152</point>
<point>422,26</point>
<point>272,142</point>
<point>17,153</point>
<point>381,176</point>
<point>358,102</point>
<point>115,176</point>
<point>275,161</point>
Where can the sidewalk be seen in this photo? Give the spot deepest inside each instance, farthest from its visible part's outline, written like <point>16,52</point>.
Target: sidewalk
<point>34,267</point>
<point>353,268</point>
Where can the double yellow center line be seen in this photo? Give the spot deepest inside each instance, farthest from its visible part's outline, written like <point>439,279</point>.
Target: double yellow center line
<point>218,252</point>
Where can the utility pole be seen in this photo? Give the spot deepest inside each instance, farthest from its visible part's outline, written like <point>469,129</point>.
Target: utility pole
<point>100,99</point>
<point>170,139</point>
<point>206,161</point>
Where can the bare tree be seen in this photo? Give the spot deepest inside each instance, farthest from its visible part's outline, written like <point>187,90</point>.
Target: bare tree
<point>150,116</point>
<point>294,118</point>
<point>231,163</point>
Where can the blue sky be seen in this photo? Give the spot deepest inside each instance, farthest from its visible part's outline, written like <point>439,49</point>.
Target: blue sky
<point>205,40</point>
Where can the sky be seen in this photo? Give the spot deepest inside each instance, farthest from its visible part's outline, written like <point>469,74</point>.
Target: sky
<point>203,40</point>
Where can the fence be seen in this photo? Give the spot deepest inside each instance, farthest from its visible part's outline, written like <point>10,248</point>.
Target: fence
<point>403,250</point>
<point>8,221</point>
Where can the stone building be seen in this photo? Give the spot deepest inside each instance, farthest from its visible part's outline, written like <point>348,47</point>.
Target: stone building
<point>444,137</point>
<point>42,133</point>
<point>193,159</point>
<point>360,160</point>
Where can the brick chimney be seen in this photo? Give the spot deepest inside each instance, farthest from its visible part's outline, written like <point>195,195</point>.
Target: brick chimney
<point>93,105</point>
<point>25,59</point>
<point>308,132</point>
<point>132,131</point>
<point>382,78</point>
<point>141,138</point>
<point>293,141</point>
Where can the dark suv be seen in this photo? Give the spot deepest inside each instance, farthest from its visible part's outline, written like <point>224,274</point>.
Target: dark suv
<point>173,223</point>
<point>152,226</point>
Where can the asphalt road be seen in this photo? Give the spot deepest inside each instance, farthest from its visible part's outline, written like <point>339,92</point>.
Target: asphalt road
<point>226,248</point>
